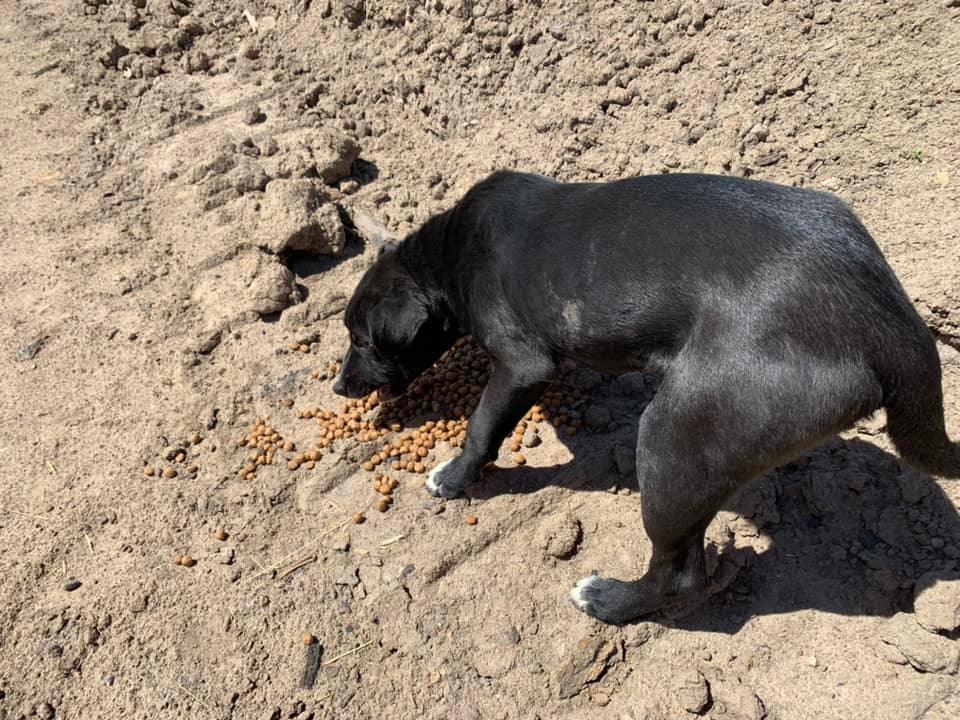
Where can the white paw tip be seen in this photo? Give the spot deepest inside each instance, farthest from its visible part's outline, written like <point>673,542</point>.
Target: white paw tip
<point>432,486</point>
<point>576,595</point>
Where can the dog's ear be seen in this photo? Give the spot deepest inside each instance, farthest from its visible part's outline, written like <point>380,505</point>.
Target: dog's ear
<point>395,321</point>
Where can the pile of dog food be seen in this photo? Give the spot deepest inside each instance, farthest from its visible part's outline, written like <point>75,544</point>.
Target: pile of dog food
<point>404,435</point>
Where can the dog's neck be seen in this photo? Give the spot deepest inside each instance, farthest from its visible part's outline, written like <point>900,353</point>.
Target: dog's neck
<point>422,256</point>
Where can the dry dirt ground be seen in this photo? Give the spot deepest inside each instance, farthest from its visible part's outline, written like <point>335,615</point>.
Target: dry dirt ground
<point>176,177</point>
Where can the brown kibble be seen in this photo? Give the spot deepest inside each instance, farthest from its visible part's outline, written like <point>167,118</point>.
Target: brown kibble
<point>149,471</point>
<point>514,446</point>
<point>293,465</point>
<point>368,466</point>
<point>288,403</point>
<point>519,459</point>
<point>383,504</point>
<point>289,446</point>
<point>196,439</point>
<point>309,639</point>
<point>358,518</point>
<point>177,559</point>
<point>392,483</point>
<point>192,469</point>
<point>304,348</point>
<point>310,465</point>
<point>470,519</point>
<point>180,457</point>
<point>169,473</point>
<point>292,345</point>
<point>418,467</point>
<point>187,561</point>
<point>220,534</point>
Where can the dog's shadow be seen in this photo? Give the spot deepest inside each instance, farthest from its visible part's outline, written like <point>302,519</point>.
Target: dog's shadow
<point>847,529</point>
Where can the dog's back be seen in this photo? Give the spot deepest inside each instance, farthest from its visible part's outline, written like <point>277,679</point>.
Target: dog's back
<point>623,274</point>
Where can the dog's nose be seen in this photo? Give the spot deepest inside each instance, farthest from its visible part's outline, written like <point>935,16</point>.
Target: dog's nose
<point>338,387</point>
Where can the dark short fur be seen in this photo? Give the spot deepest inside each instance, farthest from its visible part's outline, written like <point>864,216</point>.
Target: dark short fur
<point>770,311</point>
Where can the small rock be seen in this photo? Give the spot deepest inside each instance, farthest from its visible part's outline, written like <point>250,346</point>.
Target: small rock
<point>206,342</point>
<point>585,378</point>
<point>249,50</point>
<point>946,708</point>
<point>253,115</point>
<point>90,636</point>
<point>30,351</point>
<point>113,53</point>
<point>678,61</point>
<point>626,460</point>
<point>531,437</point>
<point>46,711</point>
<point>811,660</point>
<point>191,26</point>
<point>925,651</point>
<point>559,535</point>
<point>936,602</point>
<point>795,82</point>
<point>666,102</point>
<point>295,217</point>
<point>914,485</point>
<point>617,96</point>
<point>641,633</point>
<point>348,577</point>
<point>266,23</point>
<point>597,417</point>
<point>340,541</point>
<point>766,159</point>
<point>71,584</point>
<point>601,698</point>
<point>586,663</point>
<point>632,384</point>
<point>269,147</point>
<point>692,692</point>
<point>195,61</point>
<point>336,157</point>
<point>252,179</point>
<point>227,555</point>
<point>493,658</point>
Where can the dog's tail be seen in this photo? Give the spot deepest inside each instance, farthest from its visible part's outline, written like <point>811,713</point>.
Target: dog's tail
<point>914,407</point>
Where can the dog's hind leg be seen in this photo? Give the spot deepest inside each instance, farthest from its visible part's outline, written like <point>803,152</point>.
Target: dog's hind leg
<point>513,387</point>
<point>714,425</point>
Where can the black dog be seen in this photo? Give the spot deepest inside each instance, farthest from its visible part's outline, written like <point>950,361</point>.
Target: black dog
<point>770,311</point>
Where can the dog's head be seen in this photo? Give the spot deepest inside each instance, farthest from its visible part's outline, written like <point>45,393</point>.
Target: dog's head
<point>395,334</point>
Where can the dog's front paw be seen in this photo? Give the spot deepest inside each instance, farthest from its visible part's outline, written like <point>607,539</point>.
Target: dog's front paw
<point>447,480</point>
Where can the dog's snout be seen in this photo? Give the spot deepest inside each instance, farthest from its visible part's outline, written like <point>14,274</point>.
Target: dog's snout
<point>339,387</point>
